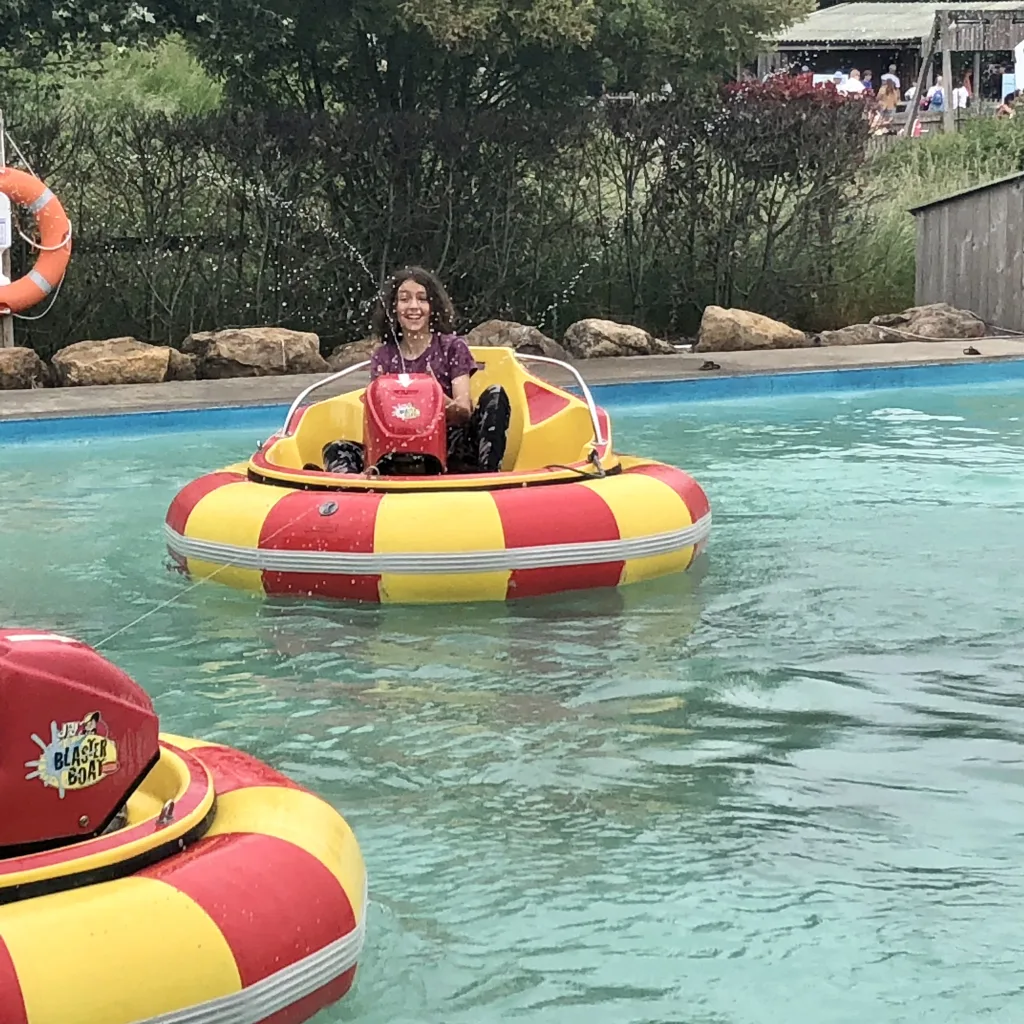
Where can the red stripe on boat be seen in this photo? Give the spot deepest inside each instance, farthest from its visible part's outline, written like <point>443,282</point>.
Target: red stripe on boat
<point>12,1002</point>
<point>543,403</point>
<point>537,582</point>
<point>232,769</point>
<point>314,1002</point>
<point>294,422</point>
<point>191,494</point>
<point>296,523</point>
<point>535,516</point>
<point>334,587</point>
<point>274,903</point>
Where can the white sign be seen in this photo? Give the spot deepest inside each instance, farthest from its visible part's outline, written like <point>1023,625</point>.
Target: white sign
<point>5,221</point>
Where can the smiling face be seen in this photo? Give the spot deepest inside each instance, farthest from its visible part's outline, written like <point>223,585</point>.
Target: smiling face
<point>412,307</point>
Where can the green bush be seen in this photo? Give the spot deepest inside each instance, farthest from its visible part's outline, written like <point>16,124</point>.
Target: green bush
<point>647,213</point>
<point>984,148</point>
<point>163,79</point>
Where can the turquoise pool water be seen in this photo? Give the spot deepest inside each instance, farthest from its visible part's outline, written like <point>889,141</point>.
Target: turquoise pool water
<point>788,788</point>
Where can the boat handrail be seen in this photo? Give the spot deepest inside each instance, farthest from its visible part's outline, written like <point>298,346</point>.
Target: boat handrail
<point>287,429</point>
<point>599,439</point>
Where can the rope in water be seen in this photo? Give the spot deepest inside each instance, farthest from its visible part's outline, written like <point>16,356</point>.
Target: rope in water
<point>198,583</point>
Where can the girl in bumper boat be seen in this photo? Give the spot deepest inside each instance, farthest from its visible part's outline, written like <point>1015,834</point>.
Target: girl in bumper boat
<point>414,319</point>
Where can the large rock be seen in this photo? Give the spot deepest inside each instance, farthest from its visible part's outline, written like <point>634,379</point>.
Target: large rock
<point>351,353</point>
<point>22,368</point>
<point>858,334</point>
<point>737,330</point>
<point>254,352</point>
<point>593,339</point>
<point>933,322</point>
<point>521,337</point>
<point>120,361</point>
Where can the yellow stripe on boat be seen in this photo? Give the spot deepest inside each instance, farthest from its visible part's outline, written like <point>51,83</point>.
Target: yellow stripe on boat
<point>107,932</point>
<point>440,522</point>
<point>232,514</point>
<point>644,506</point>
<point>187,742</point>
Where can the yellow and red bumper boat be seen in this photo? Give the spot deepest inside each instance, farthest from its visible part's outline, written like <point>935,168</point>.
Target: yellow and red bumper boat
<point>566,512</point>
<point>153,879</point>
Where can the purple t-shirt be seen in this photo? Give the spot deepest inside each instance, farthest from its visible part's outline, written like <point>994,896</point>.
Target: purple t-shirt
<point>446,357</point>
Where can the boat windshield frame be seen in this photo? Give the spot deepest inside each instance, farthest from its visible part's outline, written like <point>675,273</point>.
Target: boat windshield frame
<point>599,441</point>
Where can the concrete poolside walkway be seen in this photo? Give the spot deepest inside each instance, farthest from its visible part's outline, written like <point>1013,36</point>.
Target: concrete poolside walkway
<point>249,391</point>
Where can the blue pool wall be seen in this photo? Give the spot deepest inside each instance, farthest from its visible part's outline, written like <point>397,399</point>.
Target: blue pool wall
<point>614,397</point>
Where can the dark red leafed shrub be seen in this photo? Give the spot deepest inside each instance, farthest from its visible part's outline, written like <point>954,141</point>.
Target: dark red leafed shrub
<point>789,126</point>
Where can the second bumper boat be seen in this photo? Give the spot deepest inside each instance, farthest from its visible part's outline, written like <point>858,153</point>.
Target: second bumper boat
<point>148,878</point>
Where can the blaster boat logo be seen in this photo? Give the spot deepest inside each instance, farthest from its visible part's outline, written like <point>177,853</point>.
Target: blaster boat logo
<point>79,755</point>
<point>406,411</point>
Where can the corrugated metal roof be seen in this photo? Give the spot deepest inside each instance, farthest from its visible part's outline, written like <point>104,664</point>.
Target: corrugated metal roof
<point>865,23</point>
<point>1019,176</point>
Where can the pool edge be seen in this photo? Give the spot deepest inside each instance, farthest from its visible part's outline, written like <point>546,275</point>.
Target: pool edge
<point>646,392</point>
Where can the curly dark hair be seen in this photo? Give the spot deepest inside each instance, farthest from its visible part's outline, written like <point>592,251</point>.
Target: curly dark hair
<point>385,320</point>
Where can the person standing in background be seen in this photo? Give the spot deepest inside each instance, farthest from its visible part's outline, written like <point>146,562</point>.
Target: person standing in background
<point>888,99</point>
<point>936,98</point>
<point>891,76</point>
<point>853,86</point>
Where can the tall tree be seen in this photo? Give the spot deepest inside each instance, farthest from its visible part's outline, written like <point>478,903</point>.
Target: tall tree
<point>422,54</point>
<point>33,31</point>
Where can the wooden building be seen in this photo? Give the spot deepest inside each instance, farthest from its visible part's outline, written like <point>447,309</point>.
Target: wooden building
<point>970,251</point>
<point>909,35</point>
<point>860,35</point>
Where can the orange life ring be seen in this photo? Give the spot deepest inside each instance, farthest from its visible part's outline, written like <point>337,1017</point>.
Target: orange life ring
<point>54,240</point>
